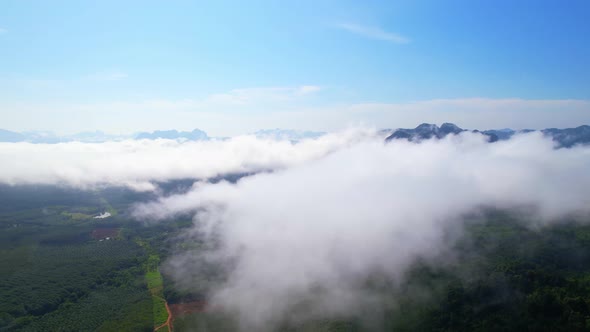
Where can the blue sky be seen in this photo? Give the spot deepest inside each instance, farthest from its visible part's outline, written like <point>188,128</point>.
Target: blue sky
<point>233,67</point>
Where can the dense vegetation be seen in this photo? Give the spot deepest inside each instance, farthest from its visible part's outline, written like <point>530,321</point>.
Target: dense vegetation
<point>58,272</point>
<point>125,308</point>
<point>501,276</point>
<point>64,270</point>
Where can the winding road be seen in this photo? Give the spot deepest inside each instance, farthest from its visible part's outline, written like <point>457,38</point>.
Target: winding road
<point>169,320</point>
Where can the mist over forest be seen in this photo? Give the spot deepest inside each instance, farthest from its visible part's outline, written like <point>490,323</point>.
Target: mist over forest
<point>348,231</point>
<point>294,166</point>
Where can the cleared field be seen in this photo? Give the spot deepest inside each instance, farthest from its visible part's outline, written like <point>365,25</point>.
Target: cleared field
<point>160,312</point>
<point>154,280</point>
<point>155,283</point>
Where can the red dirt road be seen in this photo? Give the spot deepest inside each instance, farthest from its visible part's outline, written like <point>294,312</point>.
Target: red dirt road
<point>168,321</point>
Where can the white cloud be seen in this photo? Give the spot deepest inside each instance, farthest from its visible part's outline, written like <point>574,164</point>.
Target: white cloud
<point>373,33</point>
<point>3,31</point>
<point>139,163</point>
<point>314,232</point>
<point>333,211</point>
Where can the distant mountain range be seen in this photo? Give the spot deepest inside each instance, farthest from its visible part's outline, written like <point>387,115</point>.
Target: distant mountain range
<point>99,136</point>
<point>50,138</point>
<point>564,137</point>
<point>567,137</point>
<point>288,134</point>
<point>195,135</point>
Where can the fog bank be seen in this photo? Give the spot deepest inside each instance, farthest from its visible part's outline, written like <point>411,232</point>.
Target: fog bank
<point>138,164</point>
<point>314,232</point>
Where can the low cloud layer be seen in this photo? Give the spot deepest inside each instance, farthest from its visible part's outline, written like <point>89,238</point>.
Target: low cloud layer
<point>314,232</point>
<point>139,164</point>
<point>333,212</point>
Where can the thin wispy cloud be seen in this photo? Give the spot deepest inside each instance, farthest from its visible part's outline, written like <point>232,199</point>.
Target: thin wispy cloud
<point>373,32</point>
<point>108,76</point>
<point>307,89</point>
<point>262,95</point>
<point>3,31</point>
